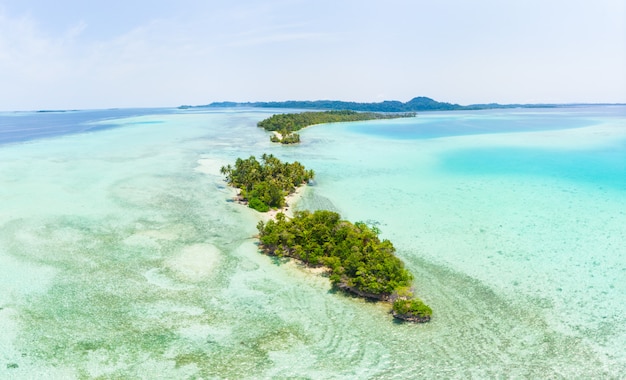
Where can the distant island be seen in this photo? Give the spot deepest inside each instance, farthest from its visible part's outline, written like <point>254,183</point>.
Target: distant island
<point>356,260</point>
<point>285,125</point>
<point>418,104</point>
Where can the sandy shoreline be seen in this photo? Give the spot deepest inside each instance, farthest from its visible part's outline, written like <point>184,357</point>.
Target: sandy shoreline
<point>212,166</point>
<point>290,201</point>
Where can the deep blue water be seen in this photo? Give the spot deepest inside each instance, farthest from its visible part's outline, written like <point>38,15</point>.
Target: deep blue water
<point>26,126</point>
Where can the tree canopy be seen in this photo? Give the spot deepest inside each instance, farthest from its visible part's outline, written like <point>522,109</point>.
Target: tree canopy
<point>417,104</point>
<point>265,184</point>
<point>295,121</point>
<point>287,123</point>
<point>358,261</point>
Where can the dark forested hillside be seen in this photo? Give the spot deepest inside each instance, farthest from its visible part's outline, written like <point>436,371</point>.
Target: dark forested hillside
<point>420,103</point>
<point>414,105</point>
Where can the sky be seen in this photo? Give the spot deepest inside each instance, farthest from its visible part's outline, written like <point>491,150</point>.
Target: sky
<point>75,54</point>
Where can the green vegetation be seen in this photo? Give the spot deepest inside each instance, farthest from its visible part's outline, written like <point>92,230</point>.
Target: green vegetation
<point>357,260</point>
<point>264,185</point>
<point>413,310</point>
<point>294,121</point>
<point>420,103</point>
<point>417,104</point>
<point>286,124</point>
<point>285,138</point>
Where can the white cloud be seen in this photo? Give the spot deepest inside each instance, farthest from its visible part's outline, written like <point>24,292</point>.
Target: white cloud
<point>299,50</point>
<point>29,61</point>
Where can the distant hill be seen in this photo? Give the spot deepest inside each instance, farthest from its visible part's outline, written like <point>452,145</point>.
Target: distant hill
<point>420,103</point>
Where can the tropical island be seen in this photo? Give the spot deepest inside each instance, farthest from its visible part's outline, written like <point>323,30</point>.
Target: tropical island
<point>353,256</point>
<point>264,185</point>
<point>284,125</point>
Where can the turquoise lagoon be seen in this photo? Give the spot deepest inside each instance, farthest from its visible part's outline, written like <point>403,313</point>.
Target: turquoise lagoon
<point>122,257</point>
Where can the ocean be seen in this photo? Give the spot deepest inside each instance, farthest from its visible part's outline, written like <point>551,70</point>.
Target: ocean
<point>122,256</point>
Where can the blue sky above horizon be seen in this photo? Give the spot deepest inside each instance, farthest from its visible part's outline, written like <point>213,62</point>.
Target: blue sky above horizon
<point>77,54</point>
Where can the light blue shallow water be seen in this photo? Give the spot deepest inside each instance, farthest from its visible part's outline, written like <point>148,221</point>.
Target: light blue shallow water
<point>463,123</point>
<point>120,256</point>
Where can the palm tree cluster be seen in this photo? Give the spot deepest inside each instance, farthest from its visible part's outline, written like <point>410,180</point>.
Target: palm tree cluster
<point>265,184</point>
